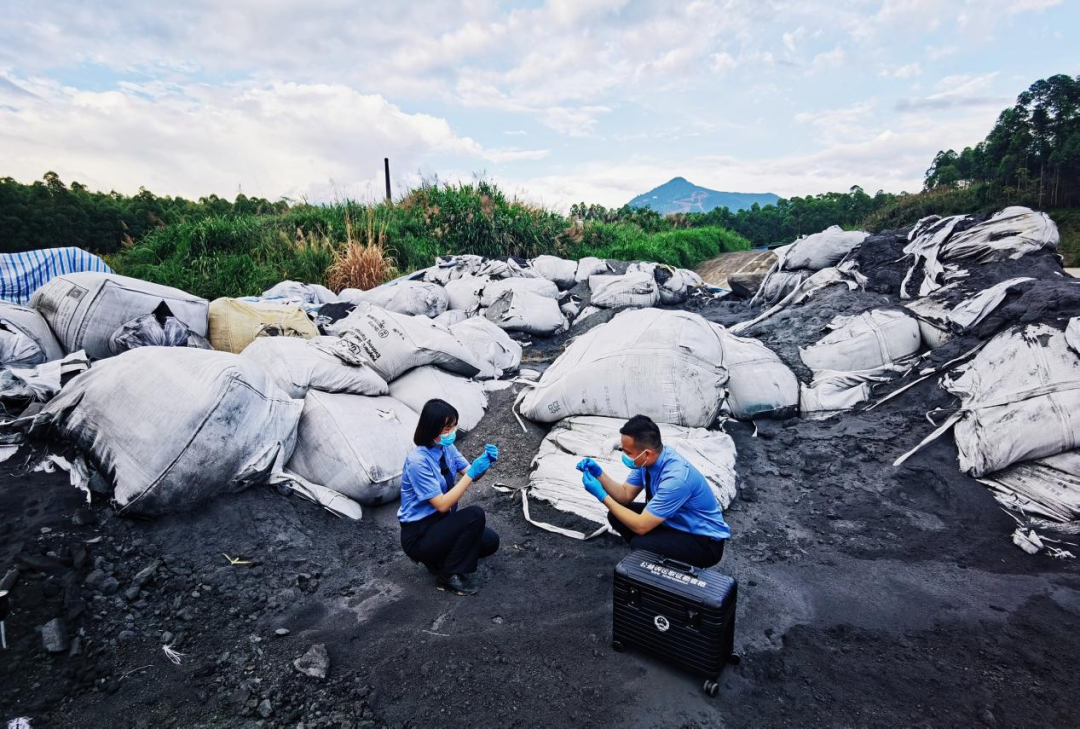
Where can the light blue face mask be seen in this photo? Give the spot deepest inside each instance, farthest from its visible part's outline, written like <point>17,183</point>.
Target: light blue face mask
<point>629,462</point>
<point>449,438</point>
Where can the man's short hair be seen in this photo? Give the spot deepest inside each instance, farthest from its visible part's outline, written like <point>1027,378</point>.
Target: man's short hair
<point>644,432</point>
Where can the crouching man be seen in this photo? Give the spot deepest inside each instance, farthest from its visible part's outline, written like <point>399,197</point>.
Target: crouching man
<point>680,518</point>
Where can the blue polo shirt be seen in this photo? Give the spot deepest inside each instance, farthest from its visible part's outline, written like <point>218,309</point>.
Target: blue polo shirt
<point>422,479</point>
<point>680,495</point>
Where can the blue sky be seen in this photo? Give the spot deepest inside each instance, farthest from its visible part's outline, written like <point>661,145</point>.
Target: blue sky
<point>559,101</point>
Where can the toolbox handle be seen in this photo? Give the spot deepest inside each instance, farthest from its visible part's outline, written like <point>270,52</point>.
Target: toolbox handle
<point>676,564</point>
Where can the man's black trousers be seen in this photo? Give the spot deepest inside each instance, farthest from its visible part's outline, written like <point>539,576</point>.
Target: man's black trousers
<point>694,549</point>
<point>450,543</point>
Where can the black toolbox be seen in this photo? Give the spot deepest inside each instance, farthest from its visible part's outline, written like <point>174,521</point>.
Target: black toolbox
<point>677,612</point>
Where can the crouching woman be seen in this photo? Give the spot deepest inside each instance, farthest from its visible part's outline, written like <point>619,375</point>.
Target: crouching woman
<point>447,540</point>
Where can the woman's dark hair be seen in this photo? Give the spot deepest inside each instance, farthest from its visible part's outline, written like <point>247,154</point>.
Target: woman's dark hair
<point>644,432</point>
<point>436,415</point>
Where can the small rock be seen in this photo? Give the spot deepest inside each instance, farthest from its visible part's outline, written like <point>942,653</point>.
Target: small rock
<point>76,646</point>
<point>54,636</point>
<point>46,530</point>
<point>497,620</point>
<point>987,717</point>
<point>143,575</point>
<point>131,594</point>
<point>166,637</point>
<point>281,631</point>
<point>109,586</point>
<point>265,710</point>
<point>126,635</point>
<point>314,663</point>
<point>94,579</point>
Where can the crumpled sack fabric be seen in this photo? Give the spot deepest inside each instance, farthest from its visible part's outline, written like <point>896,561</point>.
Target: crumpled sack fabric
<point>157,329</point>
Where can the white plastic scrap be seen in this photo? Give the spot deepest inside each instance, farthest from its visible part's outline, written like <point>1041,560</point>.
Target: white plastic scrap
<point>77,471</point>
<point>1032,542</point>
<point>334,502</point>
<point>1009,233</point>
<point>172,655</point>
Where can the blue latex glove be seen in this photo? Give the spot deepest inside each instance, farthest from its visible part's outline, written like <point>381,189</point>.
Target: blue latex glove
<point>479,467</point>
<point>492,452</point>
<point>589,466</point>
<point>593,486</point>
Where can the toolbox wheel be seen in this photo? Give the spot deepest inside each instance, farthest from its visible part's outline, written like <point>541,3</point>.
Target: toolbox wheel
<point>617,646</point>
<point>734,659</point>
<point>711,688</point>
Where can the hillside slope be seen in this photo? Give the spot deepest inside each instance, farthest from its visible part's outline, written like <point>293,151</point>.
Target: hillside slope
<point>679,195</point>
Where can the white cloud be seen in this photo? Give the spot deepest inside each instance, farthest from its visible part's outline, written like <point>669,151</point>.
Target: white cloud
<point>721,63</point>
<point>1025,6</point>
<point>516,155</point>
<point>195,98</point>
<point>576,122</point>
<point>847,124</point>
<point>829,59</point>
<point>893,157</point>
<point>909,70</point>
<point>791,38</point>
<point>277,139</point>
<point>958,90</point>
<point>935,53</point>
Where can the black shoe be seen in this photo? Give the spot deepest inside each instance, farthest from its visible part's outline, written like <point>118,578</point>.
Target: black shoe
<point>457,584</point>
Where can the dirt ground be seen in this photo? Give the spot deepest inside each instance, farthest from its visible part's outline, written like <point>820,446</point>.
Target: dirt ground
<point>869,596</point>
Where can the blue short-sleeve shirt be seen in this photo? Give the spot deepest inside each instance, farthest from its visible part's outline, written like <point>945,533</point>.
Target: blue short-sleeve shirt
<point>422,479</point>
<point>681,496</point>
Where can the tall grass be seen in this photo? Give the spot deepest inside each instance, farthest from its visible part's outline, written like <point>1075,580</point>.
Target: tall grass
<point>906,210</point>
<point>242,255</point>
<point>684,248</point>
<point>228,256</point>
<point>981,198</point>
<point>362,264</point>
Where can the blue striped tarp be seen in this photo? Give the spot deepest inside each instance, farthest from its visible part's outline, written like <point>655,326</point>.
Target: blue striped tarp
<point>23,273</point>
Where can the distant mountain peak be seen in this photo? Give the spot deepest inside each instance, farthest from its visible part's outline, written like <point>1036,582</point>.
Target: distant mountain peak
<point>679,195</point>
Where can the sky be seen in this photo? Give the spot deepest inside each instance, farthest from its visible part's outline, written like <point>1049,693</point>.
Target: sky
<point>559,102</point>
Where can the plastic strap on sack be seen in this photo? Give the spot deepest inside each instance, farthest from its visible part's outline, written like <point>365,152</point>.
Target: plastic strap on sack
<point>573,534</point>
<point>929,374</point>
<point>949,422</point>
<point>521,396</point>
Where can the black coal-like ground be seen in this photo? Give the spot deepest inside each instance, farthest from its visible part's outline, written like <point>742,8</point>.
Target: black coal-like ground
<point>869,596</point>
